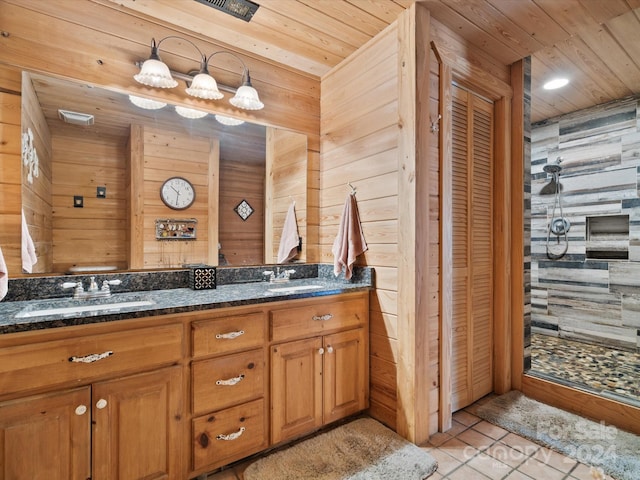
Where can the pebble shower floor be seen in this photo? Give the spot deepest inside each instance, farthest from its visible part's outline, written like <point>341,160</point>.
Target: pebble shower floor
<point>603,370</point>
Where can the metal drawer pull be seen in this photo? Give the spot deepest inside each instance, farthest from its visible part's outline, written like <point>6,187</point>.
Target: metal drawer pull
<point>322,318</point>
<point>231,436</point>
<point>94,357</point>
<point>230,335</point>
<point>231,381</point>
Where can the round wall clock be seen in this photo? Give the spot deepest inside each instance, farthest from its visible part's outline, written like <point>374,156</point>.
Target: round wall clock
<point>177,193</point>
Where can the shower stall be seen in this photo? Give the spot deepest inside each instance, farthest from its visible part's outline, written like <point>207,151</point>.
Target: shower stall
<point>585,250</point>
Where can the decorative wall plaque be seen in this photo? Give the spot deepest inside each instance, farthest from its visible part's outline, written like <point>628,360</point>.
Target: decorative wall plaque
<point>244,210</point>
<point>174,229</point>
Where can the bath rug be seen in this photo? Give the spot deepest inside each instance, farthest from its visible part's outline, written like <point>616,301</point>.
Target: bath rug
<point>616,451</point>
<point>360,450</point>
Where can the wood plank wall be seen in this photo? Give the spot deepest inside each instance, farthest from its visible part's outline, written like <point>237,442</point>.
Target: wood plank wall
<point>242,242</point>
<point>83,161</point>
<point>359,132</point>
<point>98,42</point>
<point>167,154</point>
<point>10,173</point>
<point>37,201</point>
<point>286,178</point>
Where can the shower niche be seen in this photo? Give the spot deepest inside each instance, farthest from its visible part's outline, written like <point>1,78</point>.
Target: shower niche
<point>608,237</point>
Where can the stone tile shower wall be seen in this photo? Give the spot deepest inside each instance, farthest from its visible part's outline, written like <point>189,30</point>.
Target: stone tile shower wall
<point>587,295</point>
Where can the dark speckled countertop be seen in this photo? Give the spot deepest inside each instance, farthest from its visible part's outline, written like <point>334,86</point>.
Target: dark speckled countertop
<point>15,315</point>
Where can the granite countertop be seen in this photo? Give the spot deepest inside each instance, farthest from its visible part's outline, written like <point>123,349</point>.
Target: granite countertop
<point>17,316</point>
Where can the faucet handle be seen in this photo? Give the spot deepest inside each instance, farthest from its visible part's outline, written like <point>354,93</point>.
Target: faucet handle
<point>106,283</point>
<point>71,284</point>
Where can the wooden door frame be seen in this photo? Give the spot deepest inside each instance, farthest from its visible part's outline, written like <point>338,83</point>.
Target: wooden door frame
<point>456,68</point>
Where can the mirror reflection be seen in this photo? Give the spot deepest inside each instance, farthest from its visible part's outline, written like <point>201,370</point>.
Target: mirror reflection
<point>95,201</point>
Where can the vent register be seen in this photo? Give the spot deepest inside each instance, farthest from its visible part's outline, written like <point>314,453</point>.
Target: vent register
<point>243,9</point>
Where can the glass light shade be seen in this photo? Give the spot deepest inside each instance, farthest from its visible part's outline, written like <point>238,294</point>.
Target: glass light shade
<point>204,86</point>
<point>556,83</point>
<point>190,112</point>
<point>146,103</point>
<point>154,73</point>
<point>232,122</point>
<point>246,97</point>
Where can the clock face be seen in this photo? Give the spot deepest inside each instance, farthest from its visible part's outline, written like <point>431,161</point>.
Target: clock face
<point>177,193</point>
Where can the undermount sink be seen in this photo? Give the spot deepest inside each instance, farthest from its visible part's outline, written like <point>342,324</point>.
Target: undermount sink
<point>32,311</point>
<point>296,288</point>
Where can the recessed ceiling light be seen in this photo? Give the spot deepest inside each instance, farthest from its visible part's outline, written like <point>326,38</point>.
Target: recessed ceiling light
<point>555,83</point>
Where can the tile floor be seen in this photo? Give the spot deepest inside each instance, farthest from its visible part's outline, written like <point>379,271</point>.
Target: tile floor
<point>477,450</point>
<point>604,370</point>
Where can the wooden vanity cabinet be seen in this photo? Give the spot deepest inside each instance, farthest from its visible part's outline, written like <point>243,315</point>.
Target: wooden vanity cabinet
<point>229,377</point>
<point>46,437</point>
<point>319,364</point>
<point>117,424</point>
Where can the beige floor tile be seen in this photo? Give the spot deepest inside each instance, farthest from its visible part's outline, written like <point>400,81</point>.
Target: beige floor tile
<point>446,463</point>
<point>521,444</point>
<point>537,469</point>
<point>489,466</point>
<point>438,439</point>
<point>555,459</point>
<point>459,450</point>
<point>582,472</point>
<point>465,418</point>
<point>476,439</point>
<point>436,476</point>
<point>456,428</point>
<point>506,454</point>
<point>228,474</point>
<point>516,475</point>
<point>490,430</point>
<point>465,472</point>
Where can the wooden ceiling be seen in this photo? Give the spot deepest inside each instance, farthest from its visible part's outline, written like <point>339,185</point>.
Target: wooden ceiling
<point>589,41</point>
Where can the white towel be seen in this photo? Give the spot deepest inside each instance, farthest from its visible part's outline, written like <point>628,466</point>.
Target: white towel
<point>4,277</point>
<point>349,242</point>
<point>29,258</point>
<point>289,239</point>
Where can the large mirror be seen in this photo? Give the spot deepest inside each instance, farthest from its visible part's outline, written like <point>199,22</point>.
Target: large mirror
<point>93,201</point>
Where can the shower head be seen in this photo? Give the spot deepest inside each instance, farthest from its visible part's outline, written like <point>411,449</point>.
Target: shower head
<point>553,167</point>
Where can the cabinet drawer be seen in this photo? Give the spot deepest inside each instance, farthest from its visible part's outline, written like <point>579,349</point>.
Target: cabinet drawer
<point>229,380</point>
<point>228,334</point>
<point>29,367</point>
<point>229,435</point>
<point>317,318</point>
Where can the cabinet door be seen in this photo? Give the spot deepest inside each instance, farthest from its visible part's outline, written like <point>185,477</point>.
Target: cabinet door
<point>296,388</point>
<point>137,430</point>
<point>345,374</point>
<point>46,437</point>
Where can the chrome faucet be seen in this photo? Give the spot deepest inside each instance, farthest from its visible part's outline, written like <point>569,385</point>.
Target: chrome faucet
<point>93,290</point>
<point>278,276</point>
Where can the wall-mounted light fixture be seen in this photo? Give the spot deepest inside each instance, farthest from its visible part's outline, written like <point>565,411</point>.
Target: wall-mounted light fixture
<point>155,73</point>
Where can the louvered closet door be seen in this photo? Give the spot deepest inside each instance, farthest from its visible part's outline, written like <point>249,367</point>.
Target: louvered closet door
<point>472,346</point>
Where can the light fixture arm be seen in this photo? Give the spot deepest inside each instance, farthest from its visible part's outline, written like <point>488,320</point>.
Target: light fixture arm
<point>245,70</point>
<point>155,47</point>
<point>155,73</point>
